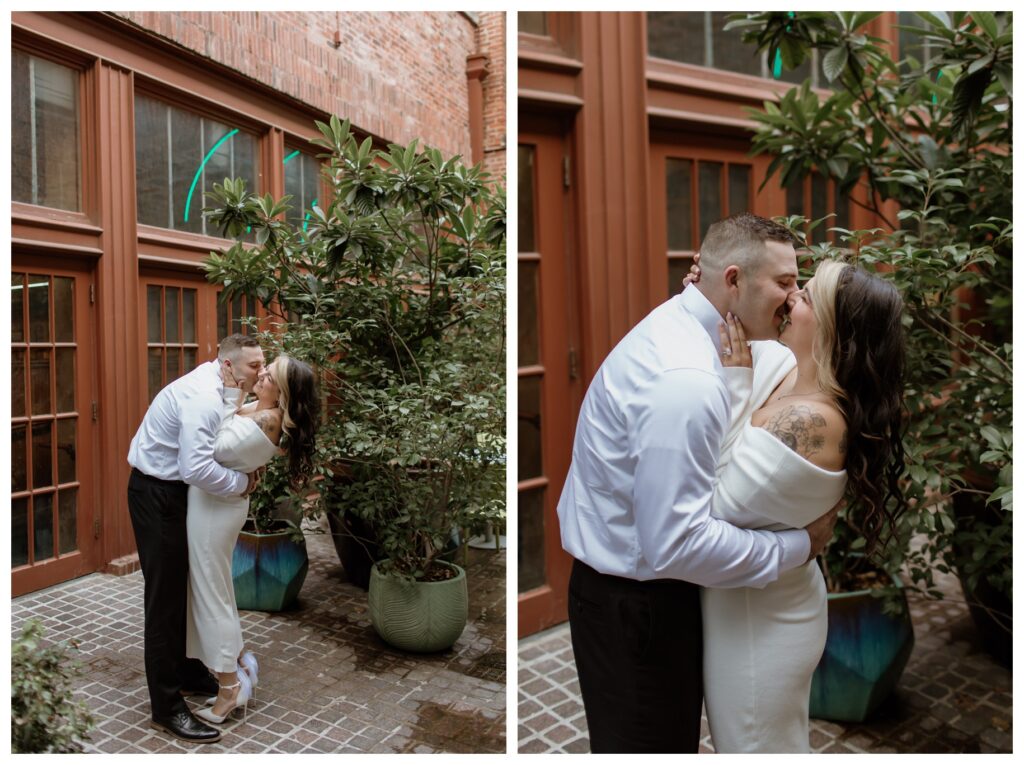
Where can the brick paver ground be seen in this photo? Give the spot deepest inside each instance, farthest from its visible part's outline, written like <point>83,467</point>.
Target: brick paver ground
<point>327,682</point>
<point>951,698</point>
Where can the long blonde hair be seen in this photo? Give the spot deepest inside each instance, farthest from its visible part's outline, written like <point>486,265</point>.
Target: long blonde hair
<point>823,289</point>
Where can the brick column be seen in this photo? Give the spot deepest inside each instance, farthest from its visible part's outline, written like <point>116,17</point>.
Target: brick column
<point>476,71</point>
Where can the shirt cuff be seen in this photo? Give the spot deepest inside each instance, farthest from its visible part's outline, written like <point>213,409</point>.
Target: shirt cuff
<point>796,546</point>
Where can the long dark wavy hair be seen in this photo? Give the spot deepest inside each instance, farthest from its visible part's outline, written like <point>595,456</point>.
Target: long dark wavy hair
<point>300,404</point>
<point>860,350</point>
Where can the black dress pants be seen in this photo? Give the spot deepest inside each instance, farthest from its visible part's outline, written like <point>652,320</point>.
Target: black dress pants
<point>158,510</point>
<point>638,648</point>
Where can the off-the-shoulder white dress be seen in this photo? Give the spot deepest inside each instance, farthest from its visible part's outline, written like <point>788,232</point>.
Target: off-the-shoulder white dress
<point>214,632</point>
<point>761,645</point>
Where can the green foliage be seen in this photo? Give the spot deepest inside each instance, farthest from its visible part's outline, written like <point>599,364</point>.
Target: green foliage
<point>395,292</point>
<point>937,141</point>
<point>43,716</point>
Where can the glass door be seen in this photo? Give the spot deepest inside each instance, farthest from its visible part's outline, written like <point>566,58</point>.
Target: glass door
<point>53,537</point>
<point>548,371</point>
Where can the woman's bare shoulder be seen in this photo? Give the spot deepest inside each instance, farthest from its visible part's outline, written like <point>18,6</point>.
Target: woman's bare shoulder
<point>269,421</point>
<point>814,429</point>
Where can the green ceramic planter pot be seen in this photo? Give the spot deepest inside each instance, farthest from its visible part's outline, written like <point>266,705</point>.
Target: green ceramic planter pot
<point>865,653</point>
<point>421,617</point>
<point>268,570</point>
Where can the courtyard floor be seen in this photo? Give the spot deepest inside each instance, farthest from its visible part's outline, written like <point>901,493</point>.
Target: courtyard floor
<point>952,696</point>
<point>328,683</point>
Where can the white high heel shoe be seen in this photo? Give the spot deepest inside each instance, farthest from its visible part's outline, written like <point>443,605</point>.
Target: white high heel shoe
<point>247,661</point>
<point>241,700</point>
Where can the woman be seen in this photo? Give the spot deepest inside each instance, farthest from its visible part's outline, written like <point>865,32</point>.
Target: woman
<point>823,419</point>
<point>285,413</point>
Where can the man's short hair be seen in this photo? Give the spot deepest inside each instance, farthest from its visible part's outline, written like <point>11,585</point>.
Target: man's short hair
<point>232,345</point>
<point>739,241</point>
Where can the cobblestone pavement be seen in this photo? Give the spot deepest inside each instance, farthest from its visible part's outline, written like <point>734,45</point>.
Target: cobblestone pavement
<point>327,682</point>
<point>951,698</point>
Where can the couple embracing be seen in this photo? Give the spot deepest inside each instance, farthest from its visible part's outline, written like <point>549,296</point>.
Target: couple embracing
<point>706,475</point>
<point>196,458</point>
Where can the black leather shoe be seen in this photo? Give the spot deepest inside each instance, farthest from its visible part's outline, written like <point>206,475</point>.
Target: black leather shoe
<point>185,726</point>
<point>206,687</point>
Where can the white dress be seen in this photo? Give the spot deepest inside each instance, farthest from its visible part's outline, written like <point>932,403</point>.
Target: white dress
<point>214,632</point>
<point>761,645</point>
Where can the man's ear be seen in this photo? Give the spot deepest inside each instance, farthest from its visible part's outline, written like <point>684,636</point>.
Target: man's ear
<point>731,276</point>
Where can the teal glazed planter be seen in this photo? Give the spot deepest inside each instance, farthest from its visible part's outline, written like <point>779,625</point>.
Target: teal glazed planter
<point>865,654</point>
<point>420,617</point>
<point>268,570</point>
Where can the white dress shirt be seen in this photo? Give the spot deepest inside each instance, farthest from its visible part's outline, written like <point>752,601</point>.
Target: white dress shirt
<point>637,499</point>
<point>176,438</point>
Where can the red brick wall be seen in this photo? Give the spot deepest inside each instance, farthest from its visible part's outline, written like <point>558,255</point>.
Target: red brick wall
<point>491,33</point>
<point>396,75</point>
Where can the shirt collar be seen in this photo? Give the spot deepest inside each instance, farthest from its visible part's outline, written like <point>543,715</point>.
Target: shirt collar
<point>212,368</point>
<point>694,301</point>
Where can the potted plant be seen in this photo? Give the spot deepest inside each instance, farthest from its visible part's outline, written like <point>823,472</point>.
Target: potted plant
<point>270,562</point>
<point>926,149</point>
<point>395,291</point>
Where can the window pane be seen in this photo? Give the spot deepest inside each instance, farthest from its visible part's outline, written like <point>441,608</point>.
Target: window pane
<point>534,22</point>
<point>154,297</point>
<point>188,315</point>
<point>17,383</point>
<point>530,464</point>
<point>237,312</point>
<point>39,360</point>
<point>678,36</point>
<point>39,309</point>
<point>529,342</point>
<point>19,532</point>
<point>19,458</point>
<point>527,242</point>
<point>42,519</point>
<point>42,456</point>
<point>44,123</point>
<point>728,50</point>
<point>302,181</point>
<point>179,156</point>
<point>819,202</point>
<point>156,371</point>
<point>679,208</point>
<point>709,186</point>
<point>222,317</point>
<point>63,309</point>
<point>56,138</point>
<point>739,189</point>
<point>67,514</point>
<point>66,446</point>
<point>190,359</point>
<point>171,324</point>
<point>842,205</point>
<point>173,364</point>
<point>795,198</point>
<point>531,539</point>
<point>65,379</point>
<point>678,268</point>
<point>152,162</point>
<point>17,308</point>
<point>21,129</point>
<point>186,149</point>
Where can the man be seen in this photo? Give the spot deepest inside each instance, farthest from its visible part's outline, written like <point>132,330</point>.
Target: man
<point>635,508</point>
<point>172,449</point>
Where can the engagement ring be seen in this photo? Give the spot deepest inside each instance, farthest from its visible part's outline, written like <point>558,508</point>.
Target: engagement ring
<point>727,351</point>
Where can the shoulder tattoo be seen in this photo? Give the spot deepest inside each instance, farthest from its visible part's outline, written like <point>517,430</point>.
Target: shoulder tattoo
<point>266,420</point>
<point>800,428</point>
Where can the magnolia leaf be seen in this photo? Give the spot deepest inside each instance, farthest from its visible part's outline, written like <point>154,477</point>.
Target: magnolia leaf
<point>835,62</point>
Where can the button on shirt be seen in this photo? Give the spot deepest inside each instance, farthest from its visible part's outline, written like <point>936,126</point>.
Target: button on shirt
<point>176,438</point>
<point>637,499</point>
